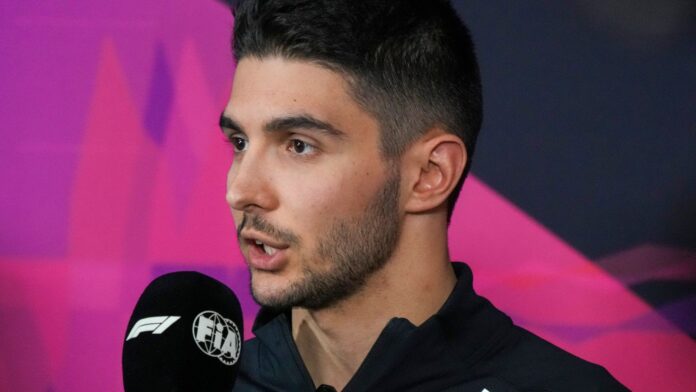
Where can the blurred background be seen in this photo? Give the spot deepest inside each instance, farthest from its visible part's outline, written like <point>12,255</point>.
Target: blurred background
<point>579,219</point>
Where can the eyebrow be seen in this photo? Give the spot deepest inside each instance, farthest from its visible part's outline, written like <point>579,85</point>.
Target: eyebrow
<point>228,123</point>
<point>279,124</point>
<point>302,121</point>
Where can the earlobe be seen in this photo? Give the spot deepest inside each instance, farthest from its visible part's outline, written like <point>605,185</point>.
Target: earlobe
<point>442,163</point>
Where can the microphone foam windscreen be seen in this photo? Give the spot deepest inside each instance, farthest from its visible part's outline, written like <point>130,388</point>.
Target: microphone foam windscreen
<point>185,334</point>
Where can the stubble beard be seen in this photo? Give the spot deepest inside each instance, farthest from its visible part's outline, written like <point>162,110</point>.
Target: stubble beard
<point>348,254</point>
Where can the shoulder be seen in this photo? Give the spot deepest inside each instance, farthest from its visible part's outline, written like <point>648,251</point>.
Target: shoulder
<point>531,363</point>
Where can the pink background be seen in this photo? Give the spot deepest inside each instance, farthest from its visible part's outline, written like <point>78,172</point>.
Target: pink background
<point>113,173</point>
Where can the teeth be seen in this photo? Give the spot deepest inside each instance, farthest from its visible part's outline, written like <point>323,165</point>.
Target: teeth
<point>269,251</point>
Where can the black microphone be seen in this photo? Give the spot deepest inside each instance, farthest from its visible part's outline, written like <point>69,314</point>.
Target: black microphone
<point>185,334</point>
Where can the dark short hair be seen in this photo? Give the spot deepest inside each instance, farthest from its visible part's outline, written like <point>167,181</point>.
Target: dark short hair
<point>410,63</point>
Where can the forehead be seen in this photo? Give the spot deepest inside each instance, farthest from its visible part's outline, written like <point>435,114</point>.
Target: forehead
<point>270,87</point>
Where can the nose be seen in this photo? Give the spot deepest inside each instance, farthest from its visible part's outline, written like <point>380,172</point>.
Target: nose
<point>249,184</point>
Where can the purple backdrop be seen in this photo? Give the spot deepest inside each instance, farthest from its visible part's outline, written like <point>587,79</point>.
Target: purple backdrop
<point>113,173</point>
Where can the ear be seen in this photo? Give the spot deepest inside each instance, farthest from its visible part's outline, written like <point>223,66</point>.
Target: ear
<point>436,163</point>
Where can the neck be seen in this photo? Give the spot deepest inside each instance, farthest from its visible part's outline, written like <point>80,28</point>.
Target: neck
<point>333,342</point>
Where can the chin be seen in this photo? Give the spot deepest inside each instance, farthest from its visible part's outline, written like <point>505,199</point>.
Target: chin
<point>268,293</point>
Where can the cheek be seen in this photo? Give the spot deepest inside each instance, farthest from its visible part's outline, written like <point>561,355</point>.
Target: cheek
<point>323,196</point>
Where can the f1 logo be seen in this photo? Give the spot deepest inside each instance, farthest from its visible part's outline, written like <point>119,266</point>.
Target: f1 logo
<point>157,325</point>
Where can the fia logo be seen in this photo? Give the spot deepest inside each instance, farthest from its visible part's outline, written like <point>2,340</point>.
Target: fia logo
<point>217,336</point>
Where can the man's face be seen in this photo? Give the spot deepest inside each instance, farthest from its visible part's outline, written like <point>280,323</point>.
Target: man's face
<point>315,204</point>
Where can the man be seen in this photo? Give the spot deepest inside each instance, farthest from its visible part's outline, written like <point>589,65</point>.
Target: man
<point>353,125</point>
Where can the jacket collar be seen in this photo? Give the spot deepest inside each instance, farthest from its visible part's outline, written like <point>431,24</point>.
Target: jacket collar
<point>466,330</point>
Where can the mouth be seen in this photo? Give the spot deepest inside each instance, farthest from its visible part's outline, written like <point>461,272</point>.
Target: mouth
<point>269,250</point>
<point>264,254</point>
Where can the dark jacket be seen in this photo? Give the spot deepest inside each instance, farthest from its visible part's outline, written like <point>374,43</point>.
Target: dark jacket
<point>469,345</point>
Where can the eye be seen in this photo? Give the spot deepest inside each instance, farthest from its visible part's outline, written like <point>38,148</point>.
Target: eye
<point>238,143</point>
<point>301,147</point>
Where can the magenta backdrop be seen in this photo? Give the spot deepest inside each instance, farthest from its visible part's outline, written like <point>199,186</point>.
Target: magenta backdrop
<point>113,173</point>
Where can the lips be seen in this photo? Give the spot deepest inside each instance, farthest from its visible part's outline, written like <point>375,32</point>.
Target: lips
<point>264,253</point>
<point>266,248</point>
